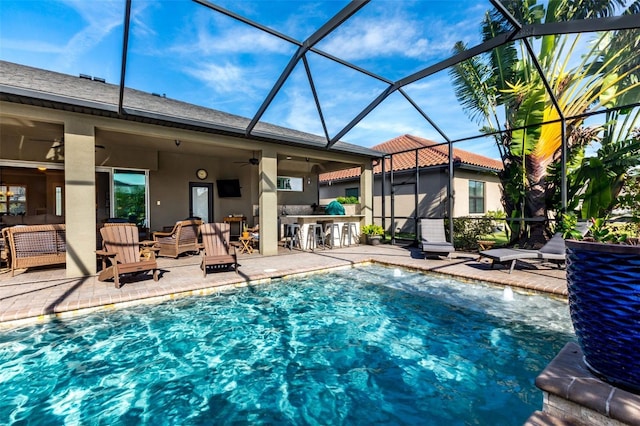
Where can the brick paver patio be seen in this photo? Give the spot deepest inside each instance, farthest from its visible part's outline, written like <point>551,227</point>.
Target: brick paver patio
<point>40,293</point>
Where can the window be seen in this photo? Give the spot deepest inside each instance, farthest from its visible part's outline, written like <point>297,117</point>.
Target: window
<point>287,183</point>
<point>476,196</point>
<point>352,192</point>
<point>13,199</point>
<point>58,201</point>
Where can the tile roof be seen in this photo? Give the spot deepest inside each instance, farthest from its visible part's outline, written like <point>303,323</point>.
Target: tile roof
<point>431,154</point>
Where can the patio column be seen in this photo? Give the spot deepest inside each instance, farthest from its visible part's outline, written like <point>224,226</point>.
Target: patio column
<point>268,202</point>
<point>80,197</point>
<point>366,192</point>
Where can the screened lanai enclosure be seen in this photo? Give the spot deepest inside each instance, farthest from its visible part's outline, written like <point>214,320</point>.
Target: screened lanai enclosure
<point>550,88</point>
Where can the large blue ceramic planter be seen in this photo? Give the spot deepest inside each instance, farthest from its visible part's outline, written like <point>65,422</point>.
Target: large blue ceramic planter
<point>604,300</point>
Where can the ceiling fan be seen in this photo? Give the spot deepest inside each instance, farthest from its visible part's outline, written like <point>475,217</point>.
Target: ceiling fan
<point>59,142</point>
<point>252,161</point>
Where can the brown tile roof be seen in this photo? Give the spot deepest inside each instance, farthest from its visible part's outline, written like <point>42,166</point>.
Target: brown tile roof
<point>431,154</point>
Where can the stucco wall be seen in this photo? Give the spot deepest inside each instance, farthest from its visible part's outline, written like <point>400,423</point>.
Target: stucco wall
<point>433,199</point>
<point>170,185</point>
<point>492,192</point>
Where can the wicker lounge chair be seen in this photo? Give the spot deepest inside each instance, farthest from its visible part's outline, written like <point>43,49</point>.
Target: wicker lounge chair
<point>217,251</point>
<point>35,245</point>
<point>122,253</point>
<point>432,239</point>
<point>183,238</point>
<point>552,251</point>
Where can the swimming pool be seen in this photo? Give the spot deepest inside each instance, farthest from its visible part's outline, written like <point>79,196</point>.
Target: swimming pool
<point>359,346</point>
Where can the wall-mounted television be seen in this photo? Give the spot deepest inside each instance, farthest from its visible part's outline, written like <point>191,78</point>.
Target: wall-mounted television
<point>228,188</point>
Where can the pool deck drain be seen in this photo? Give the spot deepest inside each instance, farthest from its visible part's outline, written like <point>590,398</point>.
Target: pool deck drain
<point>38,294</point>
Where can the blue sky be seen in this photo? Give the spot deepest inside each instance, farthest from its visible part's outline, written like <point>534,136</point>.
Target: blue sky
<point>191,53</point>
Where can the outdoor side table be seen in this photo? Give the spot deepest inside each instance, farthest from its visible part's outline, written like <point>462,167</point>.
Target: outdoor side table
<point>485,244</point>
<point>246,245</point>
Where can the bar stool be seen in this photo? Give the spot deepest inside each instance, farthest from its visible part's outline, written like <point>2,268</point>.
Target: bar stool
<point>349,230</point>
<point>292,231</point>
<point>315,236</point>
<point>333,231</point>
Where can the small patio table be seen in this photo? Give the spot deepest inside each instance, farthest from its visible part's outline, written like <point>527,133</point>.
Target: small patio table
<point>246,245</point>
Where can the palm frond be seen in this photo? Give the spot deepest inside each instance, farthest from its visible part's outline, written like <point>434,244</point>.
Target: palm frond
<point>470,88</point>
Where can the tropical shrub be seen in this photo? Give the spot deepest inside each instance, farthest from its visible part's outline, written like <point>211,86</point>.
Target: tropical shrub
<point>348,200</point>
<point>467,231</point>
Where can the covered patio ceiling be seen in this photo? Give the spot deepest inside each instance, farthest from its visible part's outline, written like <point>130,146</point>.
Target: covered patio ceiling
<point>45,137</point>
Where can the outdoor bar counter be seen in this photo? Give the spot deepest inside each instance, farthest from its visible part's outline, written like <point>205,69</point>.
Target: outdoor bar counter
<point>305,220</point>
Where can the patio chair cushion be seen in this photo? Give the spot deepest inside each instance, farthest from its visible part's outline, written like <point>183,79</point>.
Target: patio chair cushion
<point>554,249</point>
<point>433,239</point>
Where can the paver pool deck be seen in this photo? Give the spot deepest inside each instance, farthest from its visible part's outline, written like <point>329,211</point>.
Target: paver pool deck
<point>40,293</point>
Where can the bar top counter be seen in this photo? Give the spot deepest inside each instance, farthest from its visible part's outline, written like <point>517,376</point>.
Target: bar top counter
<point>316,217</point>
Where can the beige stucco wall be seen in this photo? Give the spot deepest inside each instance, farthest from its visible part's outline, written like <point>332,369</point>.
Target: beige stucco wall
<point>492,192</point>
<point>433,199</point>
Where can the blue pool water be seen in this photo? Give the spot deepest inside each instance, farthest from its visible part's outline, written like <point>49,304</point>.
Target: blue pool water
<point>361,346</point>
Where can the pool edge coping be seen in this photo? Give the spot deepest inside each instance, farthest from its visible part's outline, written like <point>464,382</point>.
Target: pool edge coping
<point>241,283</point>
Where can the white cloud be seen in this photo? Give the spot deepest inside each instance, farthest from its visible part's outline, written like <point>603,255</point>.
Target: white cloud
<point>379,37</point>
<point>302,113</point>
<point>231,38</point>
<point>101,19</point>
<point>394,30</point>
<point>225,78</point>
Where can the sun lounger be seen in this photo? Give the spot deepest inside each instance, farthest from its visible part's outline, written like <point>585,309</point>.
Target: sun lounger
<point>553,251</point>
<point>432,239</point>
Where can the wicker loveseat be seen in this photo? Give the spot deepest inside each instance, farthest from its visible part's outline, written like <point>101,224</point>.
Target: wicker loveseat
<point>35,245</point>
<point>181,239</point>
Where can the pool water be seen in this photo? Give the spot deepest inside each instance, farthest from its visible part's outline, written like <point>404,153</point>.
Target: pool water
<point>369,345</point>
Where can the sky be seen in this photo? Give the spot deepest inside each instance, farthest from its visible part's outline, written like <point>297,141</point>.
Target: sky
<point>191,53</point>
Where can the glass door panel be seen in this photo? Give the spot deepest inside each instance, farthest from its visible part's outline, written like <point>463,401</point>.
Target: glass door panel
<point>201,200</point>
<point>130,196</point>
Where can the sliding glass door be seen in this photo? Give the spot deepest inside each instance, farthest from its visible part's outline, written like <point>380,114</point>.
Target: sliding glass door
<point>131,195</point>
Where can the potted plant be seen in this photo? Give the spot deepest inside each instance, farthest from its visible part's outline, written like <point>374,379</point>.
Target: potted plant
<point>245,231</point>
<point>603,281</point>
<point>373,234</point>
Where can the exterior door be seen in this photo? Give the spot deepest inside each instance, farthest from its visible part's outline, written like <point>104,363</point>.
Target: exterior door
<point>201,200</point>
<point>130,195</point>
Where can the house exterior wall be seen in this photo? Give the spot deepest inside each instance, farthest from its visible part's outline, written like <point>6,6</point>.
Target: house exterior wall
<point>432,201</point>
<point>492,192</point>
<point>151,148</point>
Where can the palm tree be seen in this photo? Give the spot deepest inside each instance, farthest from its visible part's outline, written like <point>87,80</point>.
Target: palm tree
<point>507,78</point>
